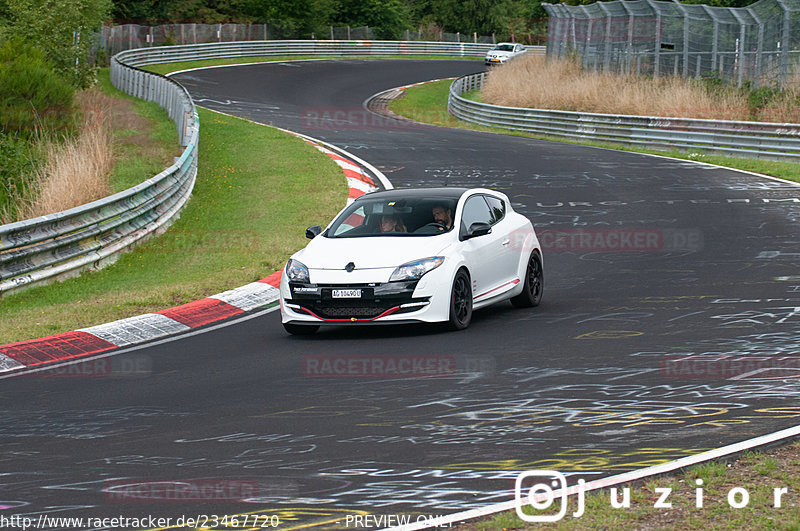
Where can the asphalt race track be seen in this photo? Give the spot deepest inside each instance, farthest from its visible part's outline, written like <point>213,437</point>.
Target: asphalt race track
<point>670,324</point>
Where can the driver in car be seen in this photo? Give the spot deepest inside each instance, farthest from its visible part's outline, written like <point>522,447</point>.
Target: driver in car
<point>443,215</point>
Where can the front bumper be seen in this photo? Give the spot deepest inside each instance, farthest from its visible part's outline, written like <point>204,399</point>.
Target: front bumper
<point>424,300</point>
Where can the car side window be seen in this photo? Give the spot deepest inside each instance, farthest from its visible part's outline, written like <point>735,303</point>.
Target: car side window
<point>475,210</point>
<point>497,208</point>
<point>353,221</point>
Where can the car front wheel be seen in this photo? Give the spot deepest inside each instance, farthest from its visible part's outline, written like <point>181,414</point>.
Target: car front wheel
<point>300,330</point>
<point>460,301</point>
<point>534,284</point>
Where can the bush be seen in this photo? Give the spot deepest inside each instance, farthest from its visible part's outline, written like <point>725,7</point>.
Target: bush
<point>761,98</point>
<point>32,96</point>
<point>63,30</point>
<point>18,164</point>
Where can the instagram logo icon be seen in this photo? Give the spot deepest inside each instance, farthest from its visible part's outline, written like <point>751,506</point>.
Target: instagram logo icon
<point>538,490</point>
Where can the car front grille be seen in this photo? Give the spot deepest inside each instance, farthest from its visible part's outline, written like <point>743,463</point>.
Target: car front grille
<point>376,299</point>
<point>327,311</point>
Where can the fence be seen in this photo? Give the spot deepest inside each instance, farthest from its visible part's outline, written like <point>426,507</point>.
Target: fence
<point>759,43</point>
<point>115,39</point>
<point>744,139</point>
<point>88,236</point>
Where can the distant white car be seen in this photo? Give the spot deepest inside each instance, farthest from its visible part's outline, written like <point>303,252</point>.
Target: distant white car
<point>413,255</point>
<point>503,52</point>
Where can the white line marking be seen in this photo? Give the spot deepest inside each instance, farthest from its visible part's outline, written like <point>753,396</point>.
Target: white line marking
<point>613,480</point>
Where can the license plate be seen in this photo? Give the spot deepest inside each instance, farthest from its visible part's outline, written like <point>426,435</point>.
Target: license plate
<point>346,294</point>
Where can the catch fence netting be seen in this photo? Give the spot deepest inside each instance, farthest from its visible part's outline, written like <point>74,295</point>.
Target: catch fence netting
<point>759,43</point>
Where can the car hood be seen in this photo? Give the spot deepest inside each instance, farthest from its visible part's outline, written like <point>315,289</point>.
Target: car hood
<point>370,253</point>
<point>499,53</point>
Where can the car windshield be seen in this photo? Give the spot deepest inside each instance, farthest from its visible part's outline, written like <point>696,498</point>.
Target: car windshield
<point>394,217</point>
<point>504,47</point>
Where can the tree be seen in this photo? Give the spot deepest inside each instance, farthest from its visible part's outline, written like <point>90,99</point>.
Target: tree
<point>485,17</point>
<point>63,29</point>
<point>388,18</point>
<point>292,18</point>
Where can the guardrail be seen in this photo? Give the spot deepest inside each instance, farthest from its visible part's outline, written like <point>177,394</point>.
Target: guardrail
<point>772,141</point>
<point>89,236</point>
<point>233,50</point>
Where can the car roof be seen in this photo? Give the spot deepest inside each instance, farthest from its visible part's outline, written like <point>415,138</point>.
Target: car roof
<point>397,193</point>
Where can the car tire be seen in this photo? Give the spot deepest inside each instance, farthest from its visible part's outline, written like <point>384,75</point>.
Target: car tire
<point>300,330</point>
<point>460,301</point>
<point>534,284</point>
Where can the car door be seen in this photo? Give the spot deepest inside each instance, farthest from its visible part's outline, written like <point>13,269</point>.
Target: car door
<point>506,230</point>
<point>488,255</point>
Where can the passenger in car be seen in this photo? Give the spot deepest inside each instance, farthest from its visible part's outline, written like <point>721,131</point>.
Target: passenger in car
<point>391,223</point>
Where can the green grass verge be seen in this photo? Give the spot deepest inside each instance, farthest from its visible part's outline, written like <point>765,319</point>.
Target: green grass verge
<point>140,151</point>
<point>167,68</point>
<point>257,190</point>
<point>428,103</point>
<point>758,473</point>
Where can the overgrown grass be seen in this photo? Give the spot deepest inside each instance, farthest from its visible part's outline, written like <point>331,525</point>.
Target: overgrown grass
<point>758,473</point>
<point>531,81</point>
<point>428,103</point>
<point>167,68</point>
<point>257,189</point>
<point>76,169</point>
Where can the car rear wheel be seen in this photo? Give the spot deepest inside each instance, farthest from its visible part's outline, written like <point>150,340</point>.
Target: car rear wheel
<point>534,284</point>
<point>300,330</point>
<point>460,302</point>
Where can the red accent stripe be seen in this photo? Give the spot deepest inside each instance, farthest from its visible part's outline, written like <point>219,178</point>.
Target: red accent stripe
<point>337,157</point>
<point>514,282</point>
<point>202,312</point>
<point>55,348</point>
<point>390,311</point>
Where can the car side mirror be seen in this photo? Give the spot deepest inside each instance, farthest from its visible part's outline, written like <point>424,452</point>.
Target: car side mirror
<point>478,228</point>
<point>313,231</point>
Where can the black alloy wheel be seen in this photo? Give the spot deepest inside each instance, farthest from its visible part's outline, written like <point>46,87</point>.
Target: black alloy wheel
<point>534,284</point>
<point>460,301</point>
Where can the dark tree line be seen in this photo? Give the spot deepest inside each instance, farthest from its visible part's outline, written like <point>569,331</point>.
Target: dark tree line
<point>389,18</point>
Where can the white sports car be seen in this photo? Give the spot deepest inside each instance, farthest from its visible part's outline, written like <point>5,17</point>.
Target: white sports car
<point>413,255</point>
<point>503,52</point>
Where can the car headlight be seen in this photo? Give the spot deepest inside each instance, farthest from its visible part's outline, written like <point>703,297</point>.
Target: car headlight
<point>416,269</point>
<point>297,271</point>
